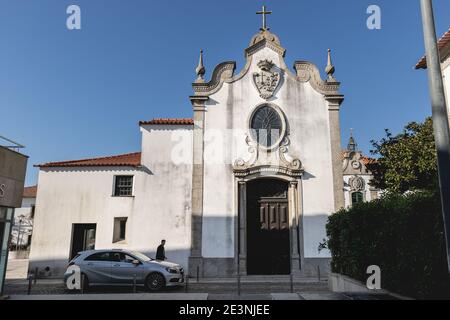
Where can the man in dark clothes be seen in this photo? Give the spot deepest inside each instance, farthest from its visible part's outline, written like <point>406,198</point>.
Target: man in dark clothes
<point>160,252</point>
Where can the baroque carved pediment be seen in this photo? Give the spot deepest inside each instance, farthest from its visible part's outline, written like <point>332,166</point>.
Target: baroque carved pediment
<point>262,161</point>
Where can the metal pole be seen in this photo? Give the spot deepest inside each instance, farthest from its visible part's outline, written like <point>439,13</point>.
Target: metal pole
<point>35,275</point>
<point>18,235</point>
<point>198,274</point>
<point>318,272</point>
<point>82,284</point>
<point>30,281</point>
<point>292,282</point>
<point>439,113</point>
<point>239,285</point>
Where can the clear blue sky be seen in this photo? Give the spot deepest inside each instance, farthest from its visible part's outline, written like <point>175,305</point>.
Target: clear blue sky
<point>74,94</point>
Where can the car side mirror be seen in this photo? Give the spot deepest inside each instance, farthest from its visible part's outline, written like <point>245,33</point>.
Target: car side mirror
<point>135,262</point>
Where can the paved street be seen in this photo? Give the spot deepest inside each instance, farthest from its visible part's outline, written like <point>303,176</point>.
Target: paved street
<point>17,269</point>
<point>252,288</point>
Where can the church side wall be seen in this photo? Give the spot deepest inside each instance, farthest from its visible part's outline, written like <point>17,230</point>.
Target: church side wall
<point>159,208</point>
<point>67,196</point>
<point>164,194</point>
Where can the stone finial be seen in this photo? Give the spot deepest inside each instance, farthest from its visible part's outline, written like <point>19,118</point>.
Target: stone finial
<point>200,70</point>
<point>330,68</point>
<point>351,142</point>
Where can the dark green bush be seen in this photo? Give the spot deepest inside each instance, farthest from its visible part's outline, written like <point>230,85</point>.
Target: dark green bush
<point>403,235</point>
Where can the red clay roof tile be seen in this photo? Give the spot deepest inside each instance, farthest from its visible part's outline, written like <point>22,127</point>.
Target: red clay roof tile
<point>168,121</point>
<point>443,41</point>
<point>29,192</point>
<point>123,160</point>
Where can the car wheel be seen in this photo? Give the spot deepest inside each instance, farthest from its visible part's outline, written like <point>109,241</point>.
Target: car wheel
<point>155,282</point>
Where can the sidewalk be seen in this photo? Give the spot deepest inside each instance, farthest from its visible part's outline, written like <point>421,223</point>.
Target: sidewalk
<point>186,296</point>
<point>118,296</point>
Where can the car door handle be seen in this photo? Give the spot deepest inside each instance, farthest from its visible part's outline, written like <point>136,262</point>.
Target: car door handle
<point>116,265</point>
<point>90,264</point>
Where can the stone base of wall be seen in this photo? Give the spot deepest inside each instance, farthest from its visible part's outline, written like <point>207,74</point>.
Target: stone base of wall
<point>219,267</point>
<point>341,283</point>
<point>315,267</point>
<point>226,267</point>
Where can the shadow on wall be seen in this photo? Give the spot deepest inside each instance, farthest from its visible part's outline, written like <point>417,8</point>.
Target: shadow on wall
<point>54,269</point>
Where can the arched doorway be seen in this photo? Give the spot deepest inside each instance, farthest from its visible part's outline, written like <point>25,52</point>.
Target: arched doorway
<point>268,243</point>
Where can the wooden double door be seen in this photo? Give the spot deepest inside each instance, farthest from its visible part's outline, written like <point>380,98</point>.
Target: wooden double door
<point>268,242</point>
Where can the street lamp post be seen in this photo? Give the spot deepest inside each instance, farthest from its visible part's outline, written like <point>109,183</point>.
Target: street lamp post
<point>439,114</point>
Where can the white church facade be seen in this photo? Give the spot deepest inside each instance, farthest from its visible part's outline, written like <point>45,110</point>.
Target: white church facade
<point>244,186</point>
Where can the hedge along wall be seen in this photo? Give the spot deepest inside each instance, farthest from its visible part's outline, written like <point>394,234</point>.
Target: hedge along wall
<point>403,235</point>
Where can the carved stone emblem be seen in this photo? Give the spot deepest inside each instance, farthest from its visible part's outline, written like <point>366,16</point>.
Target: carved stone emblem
<point>266,81</point>
<point>356,183</point>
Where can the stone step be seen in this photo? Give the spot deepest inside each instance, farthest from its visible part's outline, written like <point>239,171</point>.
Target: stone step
<point>257,286</point>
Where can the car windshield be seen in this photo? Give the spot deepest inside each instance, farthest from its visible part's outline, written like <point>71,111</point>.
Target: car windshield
<point>140,256</point>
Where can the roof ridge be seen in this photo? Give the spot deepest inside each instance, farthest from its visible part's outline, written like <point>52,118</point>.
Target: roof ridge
<point>169,121</point>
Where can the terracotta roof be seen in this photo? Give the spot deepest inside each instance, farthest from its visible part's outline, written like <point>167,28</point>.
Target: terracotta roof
<point>443,41</point>
<point>168,121</point>
<point>123,160</point>
<point>29,192</point>
<point>365,160</point>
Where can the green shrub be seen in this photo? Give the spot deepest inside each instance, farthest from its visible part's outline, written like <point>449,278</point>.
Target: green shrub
<point>402,234</point>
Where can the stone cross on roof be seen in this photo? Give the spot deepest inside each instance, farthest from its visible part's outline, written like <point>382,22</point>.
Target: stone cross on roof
<point>264,12</point>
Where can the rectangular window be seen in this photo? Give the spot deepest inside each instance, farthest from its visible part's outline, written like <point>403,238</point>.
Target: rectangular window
<point>123,186</point>
<point>120,227</point>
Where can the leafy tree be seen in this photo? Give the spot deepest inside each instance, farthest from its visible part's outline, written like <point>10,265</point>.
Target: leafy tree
<point>407,161</point>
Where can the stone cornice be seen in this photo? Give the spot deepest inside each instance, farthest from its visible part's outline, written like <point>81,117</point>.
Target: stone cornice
<point>334,101</point>
<point>265,43</point>
<point>268,169</point>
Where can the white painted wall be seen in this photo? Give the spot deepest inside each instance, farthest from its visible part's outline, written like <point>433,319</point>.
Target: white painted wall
<point>307,114</point>
<point>160,207</point>
<point>446,76</point>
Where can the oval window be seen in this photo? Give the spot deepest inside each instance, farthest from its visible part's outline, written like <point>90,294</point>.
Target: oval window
<point>266,126</point>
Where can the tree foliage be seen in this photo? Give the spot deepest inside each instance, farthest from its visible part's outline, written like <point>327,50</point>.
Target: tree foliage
<point>407,161</point>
